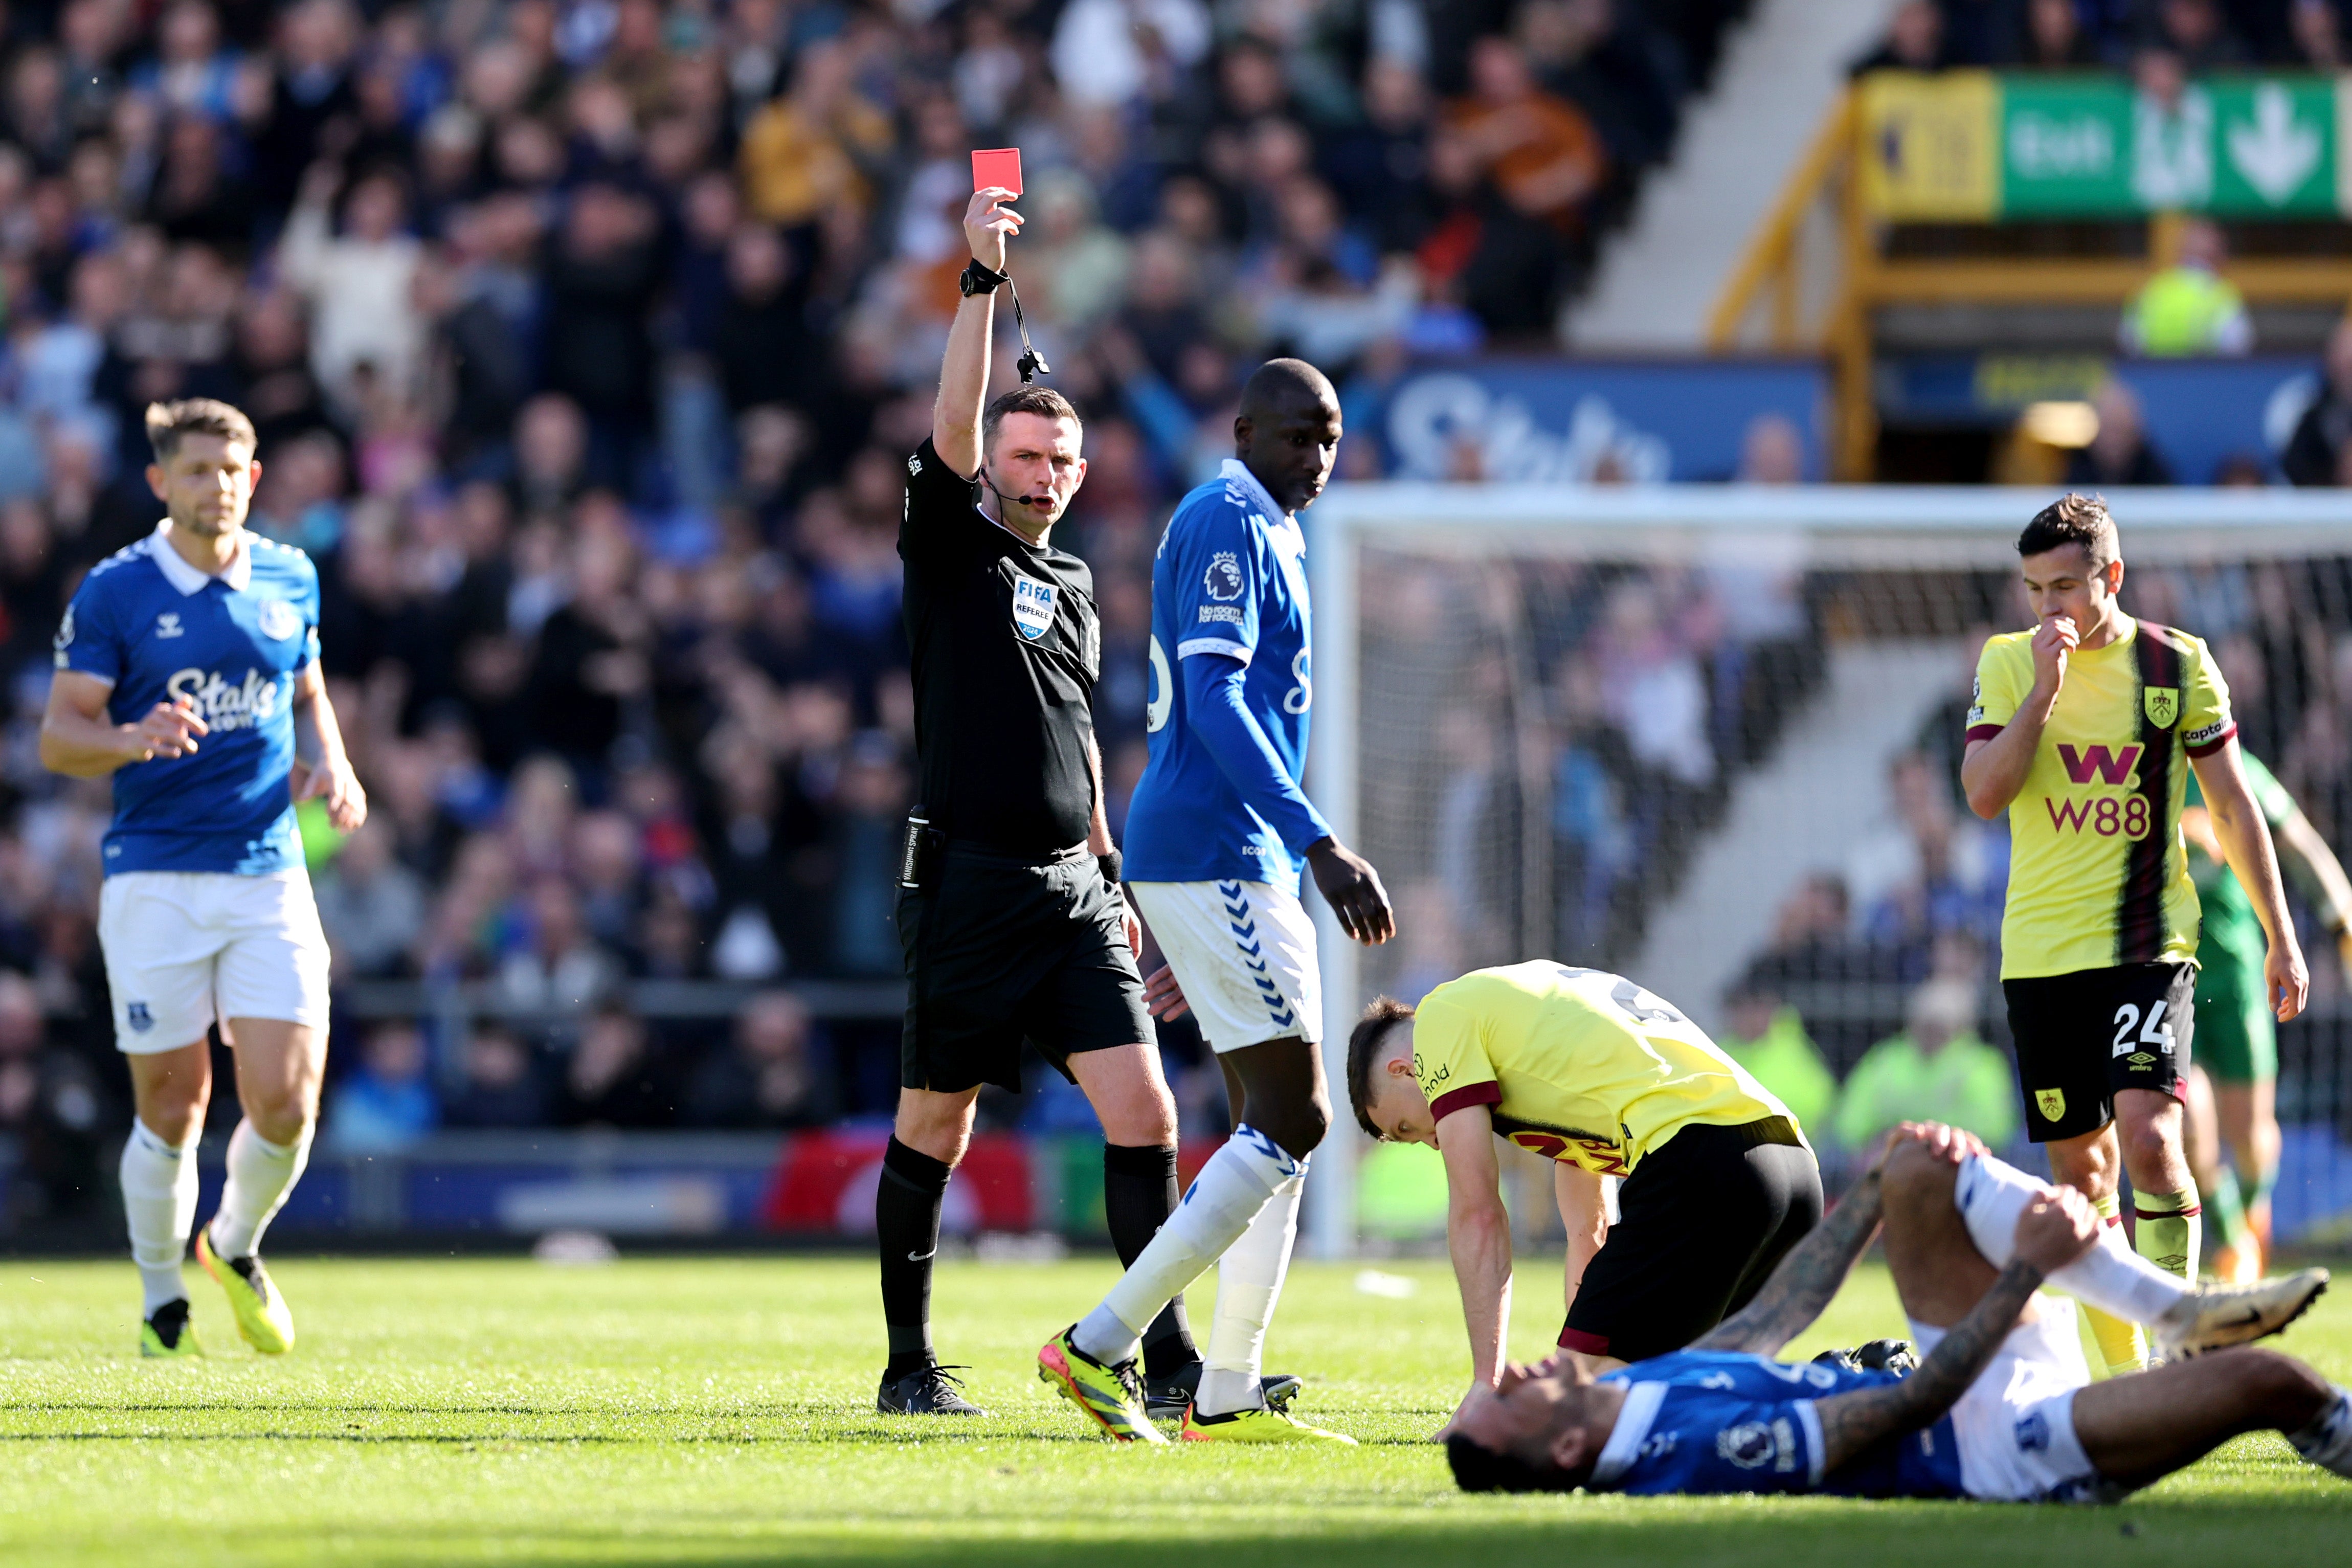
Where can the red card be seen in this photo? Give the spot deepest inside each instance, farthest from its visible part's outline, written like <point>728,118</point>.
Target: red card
<point>996,167</point>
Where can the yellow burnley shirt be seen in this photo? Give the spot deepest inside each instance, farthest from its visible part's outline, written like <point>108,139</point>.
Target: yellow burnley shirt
<point>2098,873</point>
<point>1578,1064</point>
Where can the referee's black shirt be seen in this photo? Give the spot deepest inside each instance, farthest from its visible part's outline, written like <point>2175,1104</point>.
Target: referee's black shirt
<point>1007,647</point>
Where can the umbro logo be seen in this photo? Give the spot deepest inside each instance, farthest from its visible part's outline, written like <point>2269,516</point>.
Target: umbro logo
<point>167,625</point>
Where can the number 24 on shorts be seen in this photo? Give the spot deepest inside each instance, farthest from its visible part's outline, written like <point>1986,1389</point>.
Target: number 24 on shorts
<point>2154,1033</point>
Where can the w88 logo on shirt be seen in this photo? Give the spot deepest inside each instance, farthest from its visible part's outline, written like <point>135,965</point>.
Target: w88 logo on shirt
<point>2124,812</point>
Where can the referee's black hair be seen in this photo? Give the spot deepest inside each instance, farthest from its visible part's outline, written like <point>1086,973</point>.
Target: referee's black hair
<point>1477,1468</point>
<point>1364,1048</point>
<point>2073,518</point>
<point>1042,401</point>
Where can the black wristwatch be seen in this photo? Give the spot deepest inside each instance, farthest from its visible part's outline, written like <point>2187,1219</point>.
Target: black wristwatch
<point>1112,862</point>
<point>977,278</point>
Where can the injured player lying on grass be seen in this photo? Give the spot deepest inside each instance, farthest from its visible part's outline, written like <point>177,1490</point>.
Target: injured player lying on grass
<point>2001,1406</point>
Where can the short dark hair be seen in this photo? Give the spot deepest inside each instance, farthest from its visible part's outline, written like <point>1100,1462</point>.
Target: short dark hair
<point>167,422</point>
<point>1042,401</point>
<point>1364,1048</point>
<point>2073,518</point>
<point>1478,1468</point>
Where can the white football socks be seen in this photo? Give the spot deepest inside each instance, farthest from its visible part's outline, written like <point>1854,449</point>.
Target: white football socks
<point>1219,1205</point>
<point>2327,1442</point>
<point>1249,1281</point>
<point>1992,1193</point>
<point>159,1200</point>
<point>260,1174</point>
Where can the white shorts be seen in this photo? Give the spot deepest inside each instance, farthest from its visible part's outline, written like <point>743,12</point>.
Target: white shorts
<point>1244,955</point>
<point>186,948</point>
<point>2015,1426</point>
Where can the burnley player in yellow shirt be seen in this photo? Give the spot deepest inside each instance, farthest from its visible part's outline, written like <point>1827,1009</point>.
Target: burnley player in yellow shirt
<point>1604,1079</point>
<point>2084,731</point>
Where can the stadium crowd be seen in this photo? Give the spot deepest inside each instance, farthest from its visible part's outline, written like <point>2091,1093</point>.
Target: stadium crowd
<point>2151,38</point>
<point>586,343</point>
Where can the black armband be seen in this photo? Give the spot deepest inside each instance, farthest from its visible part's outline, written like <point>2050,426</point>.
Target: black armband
<point>1112,862</point>
<point>977,278</point>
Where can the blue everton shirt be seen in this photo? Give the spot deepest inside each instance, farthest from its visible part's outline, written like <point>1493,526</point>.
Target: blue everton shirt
<point>1230,689</point>
<point>1723,1421</point>
<point>156,628</point>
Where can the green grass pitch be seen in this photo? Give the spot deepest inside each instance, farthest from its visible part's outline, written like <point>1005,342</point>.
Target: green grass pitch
<point>720,1412</point>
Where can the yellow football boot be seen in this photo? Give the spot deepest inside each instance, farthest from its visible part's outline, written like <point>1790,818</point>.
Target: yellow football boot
<point>1111,1396</point>
<point>1255,1427</point>
<point>262,1316</point>
<point>168,1335</point>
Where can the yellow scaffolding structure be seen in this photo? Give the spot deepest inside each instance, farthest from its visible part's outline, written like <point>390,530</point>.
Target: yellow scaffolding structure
<point>1774,269</point>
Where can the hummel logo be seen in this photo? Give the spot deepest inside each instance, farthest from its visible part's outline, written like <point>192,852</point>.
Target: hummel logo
<point>167,625</point>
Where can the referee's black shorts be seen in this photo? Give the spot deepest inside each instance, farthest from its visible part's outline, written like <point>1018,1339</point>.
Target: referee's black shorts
<point>999,947</point>
<point>1703,1220</point>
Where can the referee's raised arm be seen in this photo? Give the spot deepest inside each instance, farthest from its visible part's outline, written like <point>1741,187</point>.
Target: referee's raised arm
<point>963,374</point>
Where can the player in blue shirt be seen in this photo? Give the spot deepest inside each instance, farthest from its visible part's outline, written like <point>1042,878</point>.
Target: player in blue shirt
<point>187,668</point>
<point>2001,1408</point>
<point>1215,837</point>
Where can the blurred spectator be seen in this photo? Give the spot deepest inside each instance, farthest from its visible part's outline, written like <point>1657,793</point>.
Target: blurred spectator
<point>2190,308</point>
<point>1772,452</point>
<point>360,284</point>
<point>2055,38</point>
<point>807,152</point>
<point>1540,151</point>
<point>2121,453</point>
<point>501,1086</point>
<point>372,906</point>
<point>2318,34</point>
<point>51,1111</point>
<point>1914,41</point>
<point>612,1078</point>
<point>2198,32</point>
<point>1764,1034</point>
<point>1936,1069</point>
<point>2314,454</point>
<point>766,1075</point>
<point>386,1103</point>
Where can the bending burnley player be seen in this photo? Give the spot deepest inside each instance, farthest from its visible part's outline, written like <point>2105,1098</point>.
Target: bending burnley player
<point>187,667</point>
<point>1215,838</point>
<point>2001,1408</point>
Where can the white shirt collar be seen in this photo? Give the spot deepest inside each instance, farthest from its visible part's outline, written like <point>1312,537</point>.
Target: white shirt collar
<point>186,578</point>
<point>1634,1419</point>
<point>1237,471</point>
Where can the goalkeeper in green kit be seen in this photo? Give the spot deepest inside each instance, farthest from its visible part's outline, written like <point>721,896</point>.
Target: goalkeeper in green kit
<point>2237,1038</point>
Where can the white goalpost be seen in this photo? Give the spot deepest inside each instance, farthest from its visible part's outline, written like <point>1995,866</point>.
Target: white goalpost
<point>1619,725</point>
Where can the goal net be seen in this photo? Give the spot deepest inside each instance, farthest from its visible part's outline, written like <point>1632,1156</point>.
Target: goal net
<point>1709,737</point>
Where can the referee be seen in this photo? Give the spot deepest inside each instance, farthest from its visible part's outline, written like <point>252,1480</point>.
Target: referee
<point>1010,911</point>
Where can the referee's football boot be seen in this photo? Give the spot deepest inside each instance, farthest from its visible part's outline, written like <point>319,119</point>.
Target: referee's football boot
<point>263,1319</point>
<point>932,1390</point>
<point>1167,1397</point>
<point>1255,1426</point>
<point>2214,1317</point>
<point>167,1335</point>
<point>1111,1396</point>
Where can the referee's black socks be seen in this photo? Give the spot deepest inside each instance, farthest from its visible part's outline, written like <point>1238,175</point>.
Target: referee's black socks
<point>906,1225</point>
<point>1138,1194</point>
